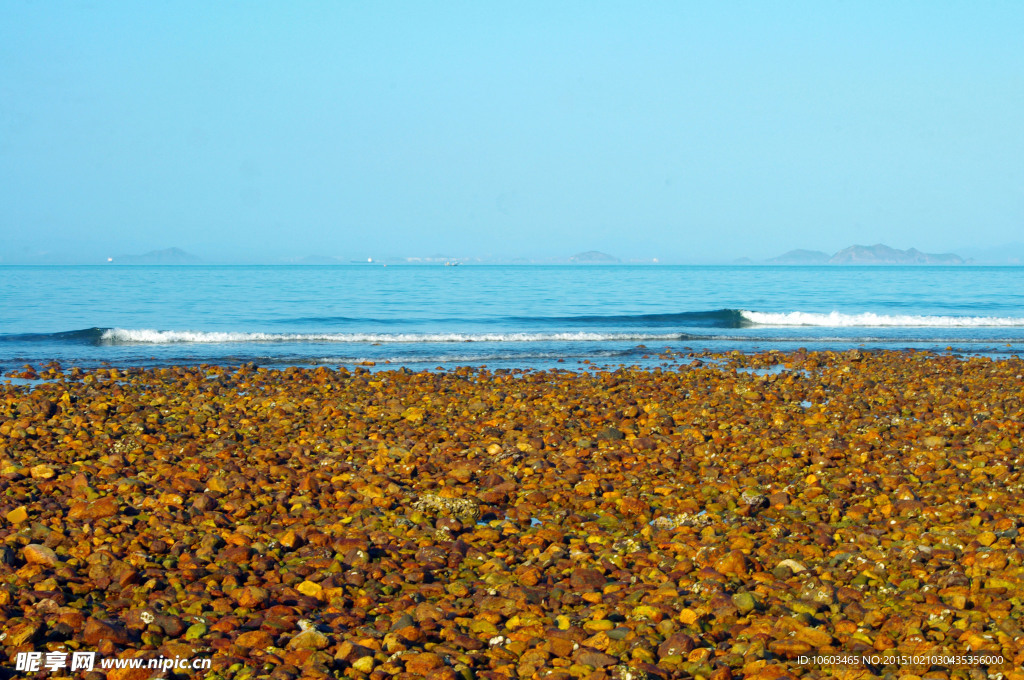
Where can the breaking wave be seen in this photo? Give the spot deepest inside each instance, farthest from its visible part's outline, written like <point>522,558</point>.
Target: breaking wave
<point>122,336</point>
<point>870,319</point>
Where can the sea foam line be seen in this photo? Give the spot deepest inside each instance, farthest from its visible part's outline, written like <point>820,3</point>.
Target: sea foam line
<point>122,336</point>
<point>838,319</point>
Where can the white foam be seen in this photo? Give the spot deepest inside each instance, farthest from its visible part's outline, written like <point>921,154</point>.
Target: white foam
<point>838,319</point>
<point>120,336</point>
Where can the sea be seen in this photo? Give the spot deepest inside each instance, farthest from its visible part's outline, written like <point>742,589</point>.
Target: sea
<point>571,317</point>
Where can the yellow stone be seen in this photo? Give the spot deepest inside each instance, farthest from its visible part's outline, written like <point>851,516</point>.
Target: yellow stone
<point>413,414</point>
<point>42,472</point>
<point>309,588</point>
<point>364,664</point>
<point>563,622</point>
<point>218,484</point>
<point>170,498</point>
<point>18,515</point>
<point>688,617</point>
<point>986,538</point>
<point>699,655</point>
<point>371,491</point>
<point>815,637</point>
<point>646,612</point>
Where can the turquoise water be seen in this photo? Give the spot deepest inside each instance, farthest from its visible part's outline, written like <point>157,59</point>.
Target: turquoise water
<point>501,316</point>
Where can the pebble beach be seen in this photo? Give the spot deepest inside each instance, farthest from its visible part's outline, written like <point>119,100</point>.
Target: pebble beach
<point>805,514</point>
<point>511,341</point>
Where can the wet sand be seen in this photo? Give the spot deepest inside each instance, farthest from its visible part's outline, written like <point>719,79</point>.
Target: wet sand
<point>723,517</point>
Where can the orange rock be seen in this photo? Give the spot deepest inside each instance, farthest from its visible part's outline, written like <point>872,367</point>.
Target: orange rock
<point>734,563</point>
<point>560,647</point>
<point>789,649</point>
<point>96,632</point>
<point>255,639</point>
<point>992,560</point>
<point>98,509</point>
<point>421,664</point>
<point>815,637</point>
<point>40,554</point>
<point>442,674</point>
<point>250,597</point>
<point>309,639</point>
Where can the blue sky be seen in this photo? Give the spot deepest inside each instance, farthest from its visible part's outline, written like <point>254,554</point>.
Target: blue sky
<point>687,131</point>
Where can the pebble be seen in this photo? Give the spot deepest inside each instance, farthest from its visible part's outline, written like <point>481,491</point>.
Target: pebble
<point>309,639</point>
<point>40,554</point>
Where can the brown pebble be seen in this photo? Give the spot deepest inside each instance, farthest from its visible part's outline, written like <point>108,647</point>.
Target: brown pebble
<point>40,554</point>
<point>309,639</point>
<point>421,664</point>
<point>591,657</point>
<point>250,597</point>
<point>255,639</point>
<point>22,633</point>
<point>96,632</point>
<point>98,509</point>
<point>676,645</point>
<point>734,563</point>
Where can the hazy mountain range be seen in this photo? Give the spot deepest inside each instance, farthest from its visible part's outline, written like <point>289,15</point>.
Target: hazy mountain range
<point>876,254</point>
<point>178,256</point>
<point>166,256</point>
<point>1008,254</point>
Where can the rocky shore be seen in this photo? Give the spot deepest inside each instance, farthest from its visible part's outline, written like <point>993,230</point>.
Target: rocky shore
<point>726,516</point>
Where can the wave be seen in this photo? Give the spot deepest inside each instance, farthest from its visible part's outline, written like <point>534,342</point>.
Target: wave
<point>717,318</point>
<point>84,336</point>
<point>870,319</point>
<point>714,325</point>
<point>121,336</point>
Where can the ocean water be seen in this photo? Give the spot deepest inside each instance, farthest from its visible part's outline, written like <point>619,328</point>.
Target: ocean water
<point>425,317</point>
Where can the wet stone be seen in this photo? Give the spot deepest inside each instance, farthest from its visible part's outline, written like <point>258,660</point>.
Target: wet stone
<point>40,554</point>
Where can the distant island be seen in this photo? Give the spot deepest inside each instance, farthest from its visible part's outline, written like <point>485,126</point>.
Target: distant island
<point>594,257</point>
<point>166,256</point>
<point>801,256</point>
<point>876,254</point>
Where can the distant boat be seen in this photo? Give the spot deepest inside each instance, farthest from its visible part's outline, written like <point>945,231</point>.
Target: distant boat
<point>452,264</point>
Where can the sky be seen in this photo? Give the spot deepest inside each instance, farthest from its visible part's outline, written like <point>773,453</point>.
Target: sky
<point>684,131</point>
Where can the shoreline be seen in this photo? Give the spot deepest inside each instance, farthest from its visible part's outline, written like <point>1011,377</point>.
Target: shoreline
<point>707,519</point>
